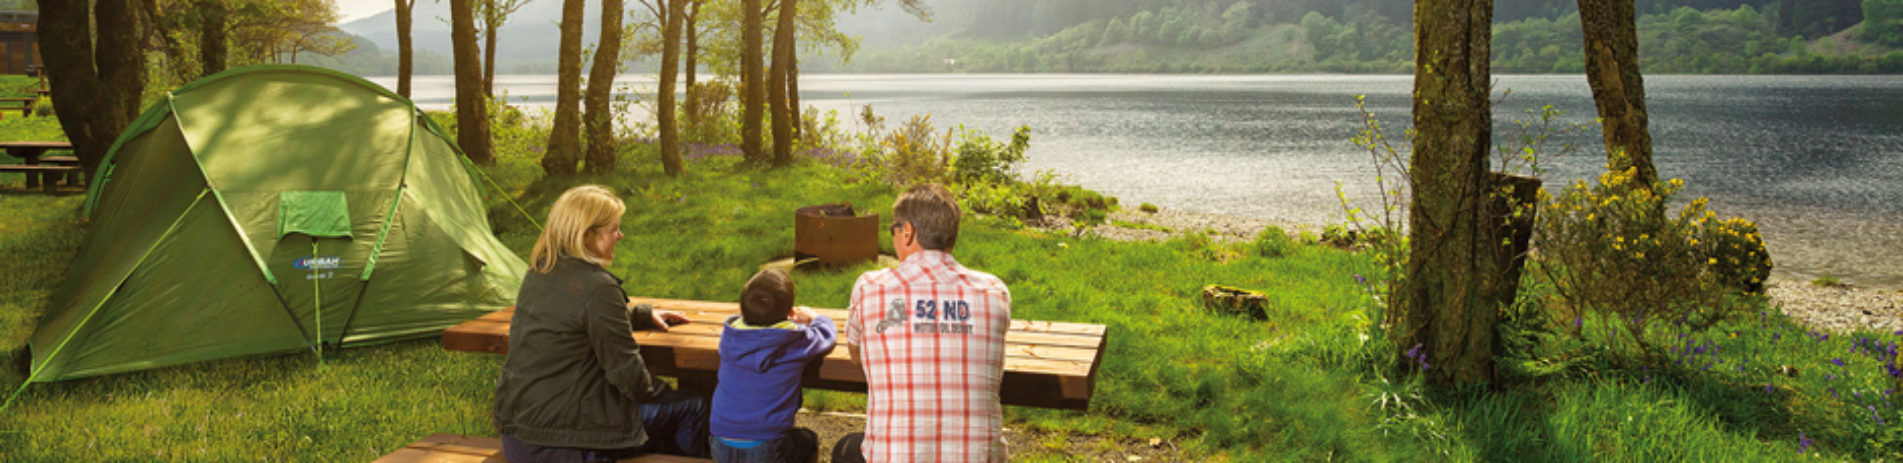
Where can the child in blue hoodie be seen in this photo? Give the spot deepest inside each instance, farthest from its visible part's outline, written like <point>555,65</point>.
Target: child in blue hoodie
<point>763,352</point>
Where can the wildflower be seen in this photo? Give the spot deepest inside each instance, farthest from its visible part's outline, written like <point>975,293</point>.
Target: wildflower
<point>1578,322</point>
<point>1767,388</point>
<point>1361,279</point>
<point>1803,443</point>
<point>1838,361</point>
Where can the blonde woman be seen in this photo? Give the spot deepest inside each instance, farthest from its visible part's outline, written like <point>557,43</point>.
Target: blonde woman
<point>574,387</point>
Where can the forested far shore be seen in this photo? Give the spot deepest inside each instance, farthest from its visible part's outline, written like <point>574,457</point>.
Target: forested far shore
<point>1375,36</point>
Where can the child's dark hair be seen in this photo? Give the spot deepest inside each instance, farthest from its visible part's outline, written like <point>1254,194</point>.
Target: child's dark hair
<point>767,298</point>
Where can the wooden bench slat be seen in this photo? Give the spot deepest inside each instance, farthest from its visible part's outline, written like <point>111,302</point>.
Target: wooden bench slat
<point>37,168</point>
<point>451,448</point>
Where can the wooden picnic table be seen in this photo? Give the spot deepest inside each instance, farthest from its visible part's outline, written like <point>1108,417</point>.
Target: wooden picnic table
<point>30,152</point>
<point>1047,364</point>
<point>24,104</point>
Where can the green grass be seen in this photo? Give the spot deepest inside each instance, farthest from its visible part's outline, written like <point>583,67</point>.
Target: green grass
<point>1302,385</point>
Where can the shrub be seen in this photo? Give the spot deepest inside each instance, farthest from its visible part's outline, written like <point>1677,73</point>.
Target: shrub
<point>1737,253</point>
<point>1611,250</point>
<point>1273,243</point>
<point>979,159</point>
<point>1148,208</point>
<point>43,107</point>
<point>909,154</point>
<point>707,120</point>
<point>1827,281</point>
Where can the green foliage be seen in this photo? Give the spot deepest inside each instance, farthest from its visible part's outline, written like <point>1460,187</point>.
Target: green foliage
<point>913,153</point>
<point>980,160</point>
<point>43,107</point>
<point>1883,22</point>
<point>1273,243</point>
<point>1738,257</point>
<point>1610,250</point>
<point>1148,208</point>
<point>1827,281</point>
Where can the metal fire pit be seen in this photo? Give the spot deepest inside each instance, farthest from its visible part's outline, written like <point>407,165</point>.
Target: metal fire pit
<point>832,234</point>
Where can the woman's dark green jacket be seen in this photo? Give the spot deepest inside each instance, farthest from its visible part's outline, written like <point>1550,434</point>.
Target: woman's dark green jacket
<point>574,375</point>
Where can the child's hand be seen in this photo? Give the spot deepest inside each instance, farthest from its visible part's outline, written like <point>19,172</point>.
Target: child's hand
<point>802,315</point>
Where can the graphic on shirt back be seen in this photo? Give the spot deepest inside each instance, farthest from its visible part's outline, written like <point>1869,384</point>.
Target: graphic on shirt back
<point>944,316</point>
<point>948,316</point>
<point>894,317</point>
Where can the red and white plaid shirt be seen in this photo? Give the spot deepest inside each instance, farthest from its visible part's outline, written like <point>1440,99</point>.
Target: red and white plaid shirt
<point>931,335</point>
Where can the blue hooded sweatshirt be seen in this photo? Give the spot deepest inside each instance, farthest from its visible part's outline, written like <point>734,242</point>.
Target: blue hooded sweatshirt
<point>760,369</point>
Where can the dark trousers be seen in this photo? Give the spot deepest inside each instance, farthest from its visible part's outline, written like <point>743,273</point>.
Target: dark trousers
<point>797,445</point>
<point>849,449</point>
<point>676,424</point>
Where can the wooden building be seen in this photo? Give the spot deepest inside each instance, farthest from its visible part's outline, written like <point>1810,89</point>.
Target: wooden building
<point>19,42</point>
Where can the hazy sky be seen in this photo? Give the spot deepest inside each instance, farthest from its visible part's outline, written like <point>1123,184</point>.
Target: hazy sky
<point>351,10</point>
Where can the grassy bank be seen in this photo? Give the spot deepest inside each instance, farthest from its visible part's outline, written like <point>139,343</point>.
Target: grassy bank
<point>1309,383</point>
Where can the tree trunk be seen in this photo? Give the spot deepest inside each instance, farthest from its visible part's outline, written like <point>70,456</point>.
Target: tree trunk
<point>212,38</point>
<point>692,57</point>
<point>1446,306</point>
<point>564,140</point>
<point>472,105</point>
<point>489,52</point>
<point>405,55</point>
<point>776,83</point>
<point>1612,68</point>
<point>752,86</point>
<point>97,83</point>
<point>664,97</point>
<point>793,90</point>
<point>598,118</point>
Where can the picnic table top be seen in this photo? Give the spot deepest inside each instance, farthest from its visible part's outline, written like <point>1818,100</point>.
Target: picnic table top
<point>40,145</point>
<point>1047,364</point>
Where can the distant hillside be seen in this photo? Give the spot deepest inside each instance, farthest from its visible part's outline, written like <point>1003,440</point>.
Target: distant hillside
<point>528,42</point>
<point>1231,36</point>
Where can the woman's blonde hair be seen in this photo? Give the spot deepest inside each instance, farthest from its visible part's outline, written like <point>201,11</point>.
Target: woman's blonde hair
<point>574,219</point>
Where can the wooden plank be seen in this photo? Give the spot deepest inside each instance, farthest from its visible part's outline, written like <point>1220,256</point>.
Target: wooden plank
<point>451,448</point>
<point>42,168</point>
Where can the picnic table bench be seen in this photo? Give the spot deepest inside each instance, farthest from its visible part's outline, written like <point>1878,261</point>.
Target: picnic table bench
<point>1046,364</point>
<point>451,448</point>
<point>32,153</point>
<point>24,104</point>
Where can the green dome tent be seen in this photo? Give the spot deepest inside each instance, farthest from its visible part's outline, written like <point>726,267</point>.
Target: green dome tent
<point>272,209</point>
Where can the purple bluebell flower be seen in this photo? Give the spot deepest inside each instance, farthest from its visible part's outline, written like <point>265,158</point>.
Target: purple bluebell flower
<point>1707,366</point>
<point>1833,394</point>
<point>1578,322</point>
<point>1767,388</point>
<point>1803,443</point>
<point>1828,376</point>
<point>1838,361</point>
<point>1361,279</point>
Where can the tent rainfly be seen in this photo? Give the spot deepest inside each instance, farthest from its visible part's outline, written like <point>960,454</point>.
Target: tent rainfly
<point>272,209</point>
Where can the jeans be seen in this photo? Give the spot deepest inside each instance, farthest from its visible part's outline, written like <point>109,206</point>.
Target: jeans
<point>676,423</point>
<point>849,449</point>
<point>797,445</point>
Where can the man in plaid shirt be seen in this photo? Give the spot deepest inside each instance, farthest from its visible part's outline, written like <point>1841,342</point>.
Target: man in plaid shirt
<point>930,335</point>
